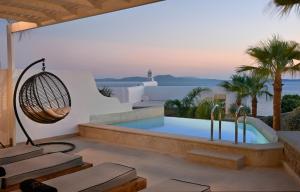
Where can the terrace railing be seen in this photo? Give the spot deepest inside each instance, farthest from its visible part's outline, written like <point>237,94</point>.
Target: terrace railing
<point>237,115</point>
<point>216,106</point>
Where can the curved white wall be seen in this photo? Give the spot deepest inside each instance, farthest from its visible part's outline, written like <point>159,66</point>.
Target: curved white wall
<point>86,101</point>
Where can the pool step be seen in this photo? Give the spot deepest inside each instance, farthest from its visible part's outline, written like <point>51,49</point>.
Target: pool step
<point>228,160</point>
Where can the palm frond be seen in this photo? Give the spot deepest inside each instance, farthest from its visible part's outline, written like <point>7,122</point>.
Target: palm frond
<point>284,7</point>
<point>193,95</point>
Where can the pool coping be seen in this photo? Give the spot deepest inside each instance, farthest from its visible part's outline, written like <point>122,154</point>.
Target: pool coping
<point>266,146</point>
<point>266,155</point>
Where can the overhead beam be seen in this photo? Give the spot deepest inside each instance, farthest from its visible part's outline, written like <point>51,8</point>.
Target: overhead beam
<point>50,6</point>
<point>26,13</point>
<point>42,8</point>
<point>96,3</point>
<point>79,11</point>
<point>22,26</point>
<point>73,8</point>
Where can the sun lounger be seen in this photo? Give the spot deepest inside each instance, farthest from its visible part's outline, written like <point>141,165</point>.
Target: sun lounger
<point>19,153</point>
<point>104,177</point>
<point>176,185</point>
<point>41,167</point>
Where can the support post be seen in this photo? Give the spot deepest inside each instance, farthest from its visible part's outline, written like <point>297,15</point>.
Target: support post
<point>220,123</point>
<point>10,84</point>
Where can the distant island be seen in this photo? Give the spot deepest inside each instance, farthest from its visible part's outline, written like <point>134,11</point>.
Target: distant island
<point>170,80</point>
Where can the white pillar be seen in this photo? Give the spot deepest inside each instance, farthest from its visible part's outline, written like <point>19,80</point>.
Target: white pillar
<point>10,86</point>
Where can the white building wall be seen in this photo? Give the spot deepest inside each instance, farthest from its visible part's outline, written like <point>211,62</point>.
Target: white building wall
<point>163,93</point>
<point>86,101</point>
<point>135,94</point>
<point>121,93</point>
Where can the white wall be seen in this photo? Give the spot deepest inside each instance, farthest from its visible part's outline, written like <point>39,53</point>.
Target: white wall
<point>121,93</point>
<point>135,94</point>
<point>86,101</point>
<point>163,93</point>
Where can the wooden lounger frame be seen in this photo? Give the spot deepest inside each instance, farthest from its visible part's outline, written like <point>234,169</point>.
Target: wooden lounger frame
<point>132,186</point>
<point>50,176</point>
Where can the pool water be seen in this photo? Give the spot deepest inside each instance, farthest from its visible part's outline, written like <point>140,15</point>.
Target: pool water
<point>196,128</point>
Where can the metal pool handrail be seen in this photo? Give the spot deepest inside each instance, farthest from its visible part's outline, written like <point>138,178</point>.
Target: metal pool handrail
<point>237,115</point>
<point>216,106</point>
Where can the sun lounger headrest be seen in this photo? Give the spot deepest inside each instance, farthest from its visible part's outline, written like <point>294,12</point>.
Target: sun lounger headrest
<point>32,185</point>
<point>2,172</point>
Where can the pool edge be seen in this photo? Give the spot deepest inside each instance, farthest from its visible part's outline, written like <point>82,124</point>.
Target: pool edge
<point>269,154</point>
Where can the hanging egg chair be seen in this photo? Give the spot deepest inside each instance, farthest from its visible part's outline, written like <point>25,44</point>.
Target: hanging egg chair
<point>43,98</point>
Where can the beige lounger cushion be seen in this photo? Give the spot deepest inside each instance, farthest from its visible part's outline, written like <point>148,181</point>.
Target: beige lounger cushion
<point>38,166</point>
<point>174,185</point>
<point>18,153</point>
<point>98,178</point>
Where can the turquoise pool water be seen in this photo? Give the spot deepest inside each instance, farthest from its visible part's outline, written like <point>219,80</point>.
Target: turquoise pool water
<point>195,128</point>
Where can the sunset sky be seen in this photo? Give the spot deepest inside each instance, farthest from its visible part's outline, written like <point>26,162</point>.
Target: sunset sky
<point>202,38</point>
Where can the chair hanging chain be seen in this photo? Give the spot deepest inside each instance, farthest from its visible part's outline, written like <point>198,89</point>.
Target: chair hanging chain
<point>44,67</point>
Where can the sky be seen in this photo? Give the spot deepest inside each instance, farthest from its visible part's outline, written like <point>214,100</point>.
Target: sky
<point>200,38</point>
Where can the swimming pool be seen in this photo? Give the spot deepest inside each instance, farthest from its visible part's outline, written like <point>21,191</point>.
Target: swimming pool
<point>195,128</point>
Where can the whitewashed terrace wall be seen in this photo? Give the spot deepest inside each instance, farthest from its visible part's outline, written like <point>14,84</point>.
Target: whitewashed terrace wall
<point>130,95</point>
<point>163,93</point>
<point>86,101</point>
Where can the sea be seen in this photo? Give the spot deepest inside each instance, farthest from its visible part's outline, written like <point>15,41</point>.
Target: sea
<point>289,86</point>
<point>178,88</point>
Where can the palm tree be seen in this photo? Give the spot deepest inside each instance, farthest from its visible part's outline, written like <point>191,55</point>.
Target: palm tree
<point>274,58</point>
<point>188,103</point>
<point>192,98</point>
<point>285,6</point>
<point>256,87</point>
<point>237,86</point>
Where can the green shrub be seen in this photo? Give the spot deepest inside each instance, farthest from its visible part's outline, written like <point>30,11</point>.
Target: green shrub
<point>233,107</point>
<point>289,103</point>
<point>204,109</point>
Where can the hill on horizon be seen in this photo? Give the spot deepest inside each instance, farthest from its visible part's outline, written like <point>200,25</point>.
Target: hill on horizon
<point>167,80</point>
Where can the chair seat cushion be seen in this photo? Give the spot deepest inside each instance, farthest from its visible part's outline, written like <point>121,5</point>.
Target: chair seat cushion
<point>175,185</point>
<point>38,166</point>
<point>98,178</point>
<point>19,153</point>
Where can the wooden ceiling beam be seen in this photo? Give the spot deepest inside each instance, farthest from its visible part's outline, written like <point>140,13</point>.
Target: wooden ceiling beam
<point>25,13</point>
<point>49,12</point>
<point>21,26</point>
<point>96,3</point>
<point>75,7</point>
<point>53,12</point>
<point>61,5</point>
<point>18,17</point>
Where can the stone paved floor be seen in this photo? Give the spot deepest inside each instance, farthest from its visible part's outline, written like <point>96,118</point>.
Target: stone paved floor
<point>157,167</point>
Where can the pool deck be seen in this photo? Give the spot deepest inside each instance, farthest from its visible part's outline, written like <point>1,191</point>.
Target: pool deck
<point>157,167</point>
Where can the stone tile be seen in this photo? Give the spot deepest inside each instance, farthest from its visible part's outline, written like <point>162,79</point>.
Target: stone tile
<point>157,167</point>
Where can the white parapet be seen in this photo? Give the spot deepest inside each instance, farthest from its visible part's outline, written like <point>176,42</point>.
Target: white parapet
<point>86,101</point>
